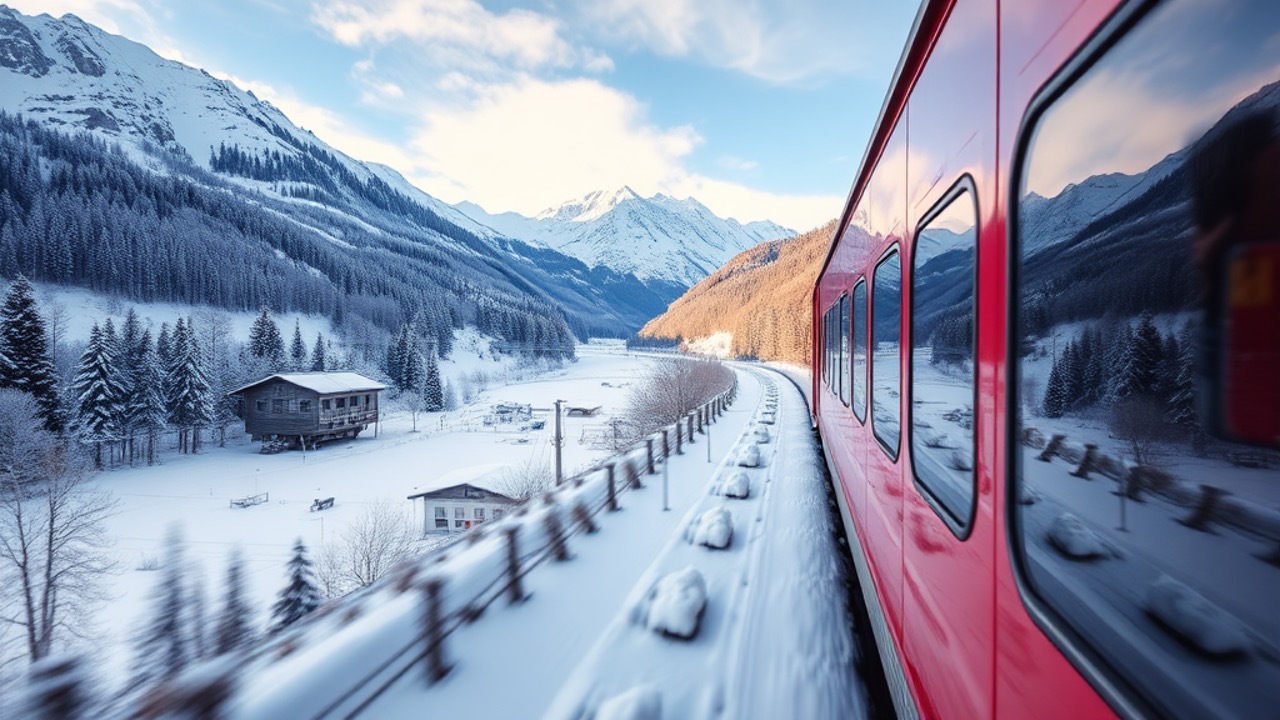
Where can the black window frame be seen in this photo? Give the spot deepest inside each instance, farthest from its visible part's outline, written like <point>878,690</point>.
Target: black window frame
<point>962,528</point>
<point>853,339</point>
<point>893,251</point>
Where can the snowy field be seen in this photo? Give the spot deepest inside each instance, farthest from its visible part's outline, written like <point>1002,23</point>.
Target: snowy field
<point>772,638</point>
<point>192,493</point>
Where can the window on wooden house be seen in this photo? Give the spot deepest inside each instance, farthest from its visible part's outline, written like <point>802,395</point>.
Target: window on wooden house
<point>261,406</point>
<point>304,406</point>
<point>277,406</point>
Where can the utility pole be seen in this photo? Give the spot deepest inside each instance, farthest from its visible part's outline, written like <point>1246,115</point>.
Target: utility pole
<point>559,443</point>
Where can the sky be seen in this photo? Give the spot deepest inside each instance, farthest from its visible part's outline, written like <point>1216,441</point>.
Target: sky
<point>760,109</point>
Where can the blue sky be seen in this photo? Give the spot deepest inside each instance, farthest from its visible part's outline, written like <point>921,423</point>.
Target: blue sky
<point>760,109</point>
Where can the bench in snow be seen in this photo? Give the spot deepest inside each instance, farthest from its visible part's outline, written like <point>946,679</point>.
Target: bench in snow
<point>250,501</point>
<point>319,504</point>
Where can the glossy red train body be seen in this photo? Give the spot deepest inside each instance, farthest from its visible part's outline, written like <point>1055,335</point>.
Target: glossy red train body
<point>954,625</point>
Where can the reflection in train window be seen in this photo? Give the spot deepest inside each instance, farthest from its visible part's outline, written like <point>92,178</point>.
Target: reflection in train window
<point>886,352</point>
<point>1149,545</point>
<point>942,370</point>
<point>842,319</point>
<point>859,332</point>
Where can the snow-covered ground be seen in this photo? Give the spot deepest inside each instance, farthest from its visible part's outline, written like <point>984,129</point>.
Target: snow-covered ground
<point>773,638</point>
<point>193,492</point>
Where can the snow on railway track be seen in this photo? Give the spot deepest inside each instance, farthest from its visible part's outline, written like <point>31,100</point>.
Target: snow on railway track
<point>772,634</point>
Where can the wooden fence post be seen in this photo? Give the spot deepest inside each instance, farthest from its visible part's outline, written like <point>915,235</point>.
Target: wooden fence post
<point>583,517</point>
<point>1055,444</point>
<point>433,631</point>
<point>555,535</point>
<point>612,502</point>
<point>666,447</point>
<point>648,444</point>
<point>513,564</point>
<point>1206,511</point>
<point>679,442</point>
<point>700,412</point>
<point>633,475</point>
<point>1088,462</point>
<point>690,419</point>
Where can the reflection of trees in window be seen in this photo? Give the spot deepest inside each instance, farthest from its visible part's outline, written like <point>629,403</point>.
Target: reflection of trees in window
<point>1143,536</point>
<point>944,264</point>
<point>886,322</point>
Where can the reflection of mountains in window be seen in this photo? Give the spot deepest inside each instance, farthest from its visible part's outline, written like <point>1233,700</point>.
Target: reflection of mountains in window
<point>943,289</point>
<point>1116,244</point>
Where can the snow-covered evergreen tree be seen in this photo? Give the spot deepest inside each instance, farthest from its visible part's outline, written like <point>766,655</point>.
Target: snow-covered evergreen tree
<point>1056,392</point>
<point>265,340</point>
<point>234,629</point>
<point>1139,372</point>
<point>397,356</point>
<point>198,620</point>
<point>317,355</point>
<point>146,402</point>
<point>164,346</point>
<point>28,366</point>
<point>297,349</point>
<point>432,388</point>
<point>300,596</point>
<point>164,647</point>
<point>57,689</point>
<point>99,394</point>
<point>188,389</point>
<point>128,357</point>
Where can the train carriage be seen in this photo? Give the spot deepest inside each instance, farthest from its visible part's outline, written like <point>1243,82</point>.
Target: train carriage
<point>1046,370</point>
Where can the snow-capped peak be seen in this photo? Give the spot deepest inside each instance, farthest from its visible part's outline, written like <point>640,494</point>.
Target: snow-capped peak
<point>656,238</point>
<point>590,206</point>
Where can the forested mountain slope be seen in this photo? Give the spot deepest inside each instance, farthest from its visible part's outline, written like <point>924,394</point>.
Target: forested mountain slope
<point>761,298</point>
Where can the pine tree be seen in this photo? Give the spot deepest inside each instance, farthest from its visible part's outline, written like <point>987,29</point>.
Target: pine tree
<point>147,402</point>
<point>298,349</point>
<point>188,389</point>
<point>432,389</point>
<point>234,622</point>
<point>164,346</point>
<point>397,357</point>
<point>413,375</point>
<point>317,355</point>
<point>265,340</point>
<point>1140,366</point>
<point>198,621</point>
<point>58,688</point>
<point>23,343</point>
<point>300,596</point>
<point>1055,394</point>
<point>129,357</point>
<point>98,392</point>
<point>164,644</point>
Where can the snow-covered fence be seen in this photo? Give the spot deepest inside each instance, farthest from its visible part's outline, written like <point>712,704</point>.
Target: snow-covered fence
<point>337,661</point>
<point>1208,505</point>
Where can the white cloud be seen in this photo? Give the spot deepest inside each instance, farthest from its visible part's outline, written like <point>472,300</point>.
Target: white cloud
<point>780,42</point>
<point>525,38</point>
<point>737,164</point>
<point>533,144</point>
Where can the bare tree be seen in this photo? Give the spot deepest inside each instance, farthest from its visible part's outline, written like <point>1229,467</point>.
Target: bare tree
<point>1139,422</point>
<point>529,479</point>
<point>382,537</point>
<point>674,389</point>
<point>53,543</point>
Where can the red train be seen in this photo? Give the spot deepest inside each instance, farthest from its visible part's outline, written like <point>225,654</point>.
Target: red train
<point>1046,368</point>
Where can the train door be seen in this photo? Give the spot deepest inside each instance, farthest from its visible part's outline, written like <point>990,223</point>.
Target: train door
<point>949,539</point>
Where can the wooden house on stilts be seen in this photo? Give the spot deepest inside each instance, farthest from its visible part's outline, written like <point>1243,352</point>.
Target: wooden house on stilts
<point>310,407</point>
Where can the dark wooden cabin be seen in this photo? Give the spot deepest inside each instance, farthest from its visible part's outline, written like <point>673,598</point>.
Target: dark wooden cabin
<point>315,406</point>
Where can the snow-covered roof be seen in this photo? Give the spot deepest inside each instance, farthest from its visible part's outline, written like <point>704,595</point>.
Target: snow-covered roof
<point>325,383</point>
<point>465,491</point>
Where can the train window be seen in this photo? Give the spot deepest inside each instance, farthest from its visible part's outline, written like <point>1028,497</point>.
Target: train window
<point>1148,548</point>
<point>843,363</point>
<point>886,352</point>
<point>826,347</point>
<point>943,268</point>
<point>859,359</point>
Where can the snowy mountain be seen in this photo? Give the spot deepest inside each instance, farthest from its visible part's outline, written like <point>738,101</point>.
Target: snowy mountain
<point>659,238</point>
<point>367,241</point>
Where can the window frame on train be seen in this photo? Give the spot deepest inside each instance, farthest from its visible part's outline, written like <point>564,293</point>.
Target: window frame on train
<point>1129,694</point>
<point>842,355</point>
<point>858,380</point>
<point>960,519</point>
<point>893,453</point>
